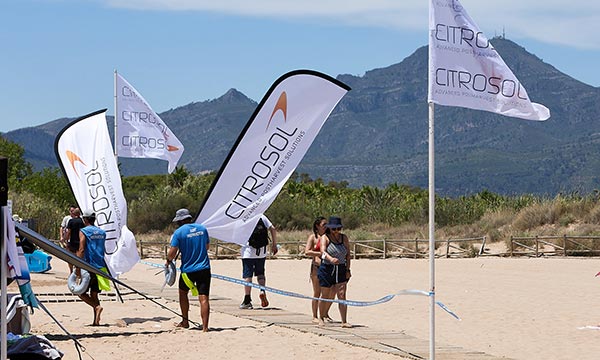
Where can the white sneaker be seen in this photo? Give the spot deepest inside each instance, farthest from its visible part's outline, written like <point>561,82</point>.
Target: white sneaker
<point>246,306</point>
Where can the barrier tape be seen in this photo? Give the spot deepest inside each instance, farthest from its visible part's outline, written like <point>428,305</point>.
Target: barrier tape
<point>344,302</point>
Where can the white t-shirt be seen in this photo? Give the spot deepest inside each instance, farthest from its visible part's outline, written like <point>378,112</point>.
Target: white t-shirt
<point>63,226</point>
<point>248,252</point>
<point>65,221</point>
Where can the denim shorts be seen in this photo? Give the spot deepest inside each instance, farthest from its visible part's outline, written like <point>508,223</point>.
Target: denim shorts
<point>253,267</point>
<point>330,275</point>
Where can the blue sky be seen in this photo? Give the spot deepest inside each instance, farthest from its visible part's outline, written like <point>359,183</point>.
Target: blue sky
<point>59,56</point>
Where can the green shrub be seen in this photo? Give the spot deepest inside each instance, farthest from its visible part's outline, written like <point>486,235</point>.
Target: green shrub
<point>156,212</point>
<point>46,216</point>
<point>393,212</point>
<point>566,219</point>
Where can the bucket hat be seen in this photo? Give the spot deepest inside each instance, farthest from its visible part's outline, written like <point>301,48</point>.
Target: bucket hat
<point>182,214</point>
<point>334,222</point>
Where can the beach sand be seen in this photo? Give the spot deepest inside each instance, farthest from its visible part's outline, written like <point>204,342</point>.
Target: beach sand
<point>516,308</point>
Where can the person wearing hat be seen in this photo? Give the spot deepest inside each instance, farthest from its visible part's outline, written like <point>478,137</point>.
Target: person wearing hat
<point>334,271</point>
<point>91,249</point>
<point>192,241</point>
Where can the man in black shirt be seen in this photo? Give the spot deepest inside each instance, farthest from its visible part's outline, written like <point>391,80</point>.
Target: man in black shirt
<point>72,233</point>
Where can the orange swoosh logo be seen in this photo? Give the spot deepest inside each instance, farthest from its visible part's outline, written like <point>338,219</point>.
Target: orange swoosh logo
<point>172,148</point>
<point>73,158</point>
<point>281,105</point>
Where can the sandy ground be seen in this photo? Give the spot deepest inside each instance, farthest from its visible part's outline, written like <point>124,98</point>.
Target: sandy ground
<point>514,308</point>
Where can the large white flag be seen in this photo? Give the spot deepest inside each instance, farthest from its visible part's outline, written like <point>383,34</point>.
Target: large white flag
<point>268,150</point>
<point>465,70</point>
<point>85,154</point>
<point>141,132</point>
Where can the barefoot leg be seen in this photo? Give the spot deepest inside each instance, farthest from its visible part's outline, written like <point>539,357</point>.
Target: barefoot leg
<point>97,312</point>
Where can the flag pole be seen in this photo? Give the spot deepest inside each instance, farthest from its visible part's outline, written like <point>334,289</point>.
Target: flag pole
<point>431,232</point>
<point>3,256</point>
<point>115,119</point>
<point>3,286</point>
<point>117,162</point>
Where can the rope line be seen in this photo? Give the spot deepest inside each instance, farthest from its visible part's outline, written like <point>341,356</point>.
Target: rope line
<point>344,302</point>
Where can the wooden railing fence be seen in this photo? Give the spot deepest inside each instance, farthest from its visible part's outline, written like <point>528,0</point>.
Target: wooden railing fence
<point>384,248</point>
<point>565,245</point>
<point>533,246</point>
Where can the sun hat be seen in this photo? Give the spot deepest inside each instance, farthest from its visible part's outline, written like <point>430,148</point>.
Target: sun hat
<point>334,223</point>
<point>182,214</point>
<point>88,213</point>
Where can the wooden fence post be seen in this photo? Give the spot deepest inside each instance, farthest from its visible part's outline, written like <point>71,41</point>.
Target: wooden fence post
<point>511,246</point>
<point>482,250</point>
<point>416,247</point>
<point>537,245</point>
<point>141,249</point>
<point>565,244</point>
<point>384,249</point>
<point>447,248</point>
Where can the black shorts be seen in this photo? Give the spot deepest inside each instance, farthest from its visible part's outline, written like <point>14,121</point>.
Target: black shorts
<point>94,284</point>
<point>72,247</point>
<point>199,278</point>
<point>330,275</point>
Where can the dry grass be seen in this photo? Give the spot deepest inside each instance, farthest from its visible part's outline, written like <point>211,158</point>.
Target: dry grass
<point>593,217</point>
<point>552,217</point>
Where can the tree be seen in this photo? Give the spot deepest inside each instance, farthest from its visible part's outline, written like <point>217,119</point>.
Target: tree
<point>18,167</point>
<point>177,178</point>
<point>50,185</point>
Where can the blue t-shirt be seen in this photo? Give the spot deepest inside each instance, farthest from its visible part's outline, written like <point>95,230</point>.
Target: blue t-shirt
<point>94,245</point>
<point>192,241</point>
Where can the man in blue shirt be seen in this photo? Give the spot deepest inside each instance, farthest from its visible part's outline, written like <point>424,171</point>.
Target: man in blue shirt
<point>191,240</point>
<point>91,249</point>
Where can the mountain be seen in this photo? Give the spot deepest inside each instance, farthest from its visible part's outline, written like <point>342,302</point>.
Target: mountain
<point>207,130</point>
<point>378,134</point>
